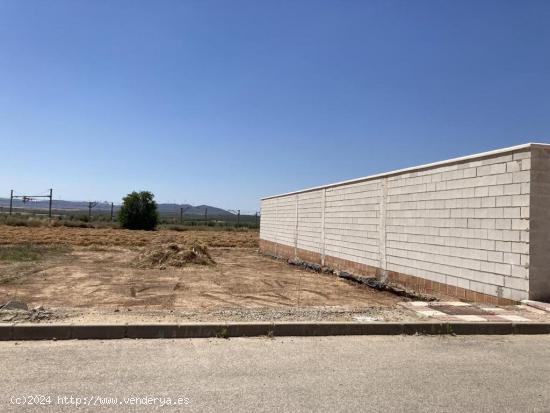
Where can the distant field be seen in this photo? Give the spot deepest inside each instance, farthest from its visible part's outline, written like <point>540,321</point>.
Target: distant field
<point>13,235</point>
<point>77,218</point>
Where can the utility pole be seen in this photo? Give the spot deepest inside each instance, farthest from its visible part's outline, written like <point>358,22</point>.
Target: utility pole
<point>50,206</point>
<point>257,220</point>
<point>182,210</point>
<point>206,216</point>
<point>112,209</point>
<point>238,217</point>
<point>28,198</point>
<point>90,206</point>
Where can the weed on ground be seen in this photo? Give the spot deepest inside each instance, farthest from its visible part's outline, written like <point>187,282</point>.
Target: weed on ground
<point>28,252</point>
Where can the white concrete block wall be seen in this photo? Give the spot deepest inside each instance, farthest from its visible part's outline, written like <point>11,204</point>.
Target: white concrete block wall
<point>268,220</point>
<point>462,225</point>
<point>351,222</point>
<point>286,220</point>
<point>309,221</point>
<point>462,222</point>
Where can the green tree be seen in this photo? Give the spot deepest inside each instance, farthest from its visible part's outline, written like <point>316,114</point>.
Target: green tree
<point>139,211</point>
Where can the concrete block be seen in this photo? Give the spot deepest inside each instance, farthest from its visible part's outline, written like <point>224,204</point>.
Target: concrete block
<point>503,223</point>
<point>516,283</point>
<point>481,328</point>
<point>488,202</point>
<point>520,200</point>
<point>511,258</point>
<point>503,201</point>
<point>521,155</point>
<point>531,328</point>
<point>496,256</point>
<point>98,331</point>
<point>504,179</point>
<point>512,212</point>
<point>6,331</point>
<point>496,190</point>
<point>512,189</point>
<point>519,271</point>
<point>525,212</point>
<point>519,247</point>
<point>317,329</point>
<point>520,224</point>
<point>382,329</point>
<point>524,260</point>
<point>510,235</point>
<point>523,176</point>
<point>513,166</point>
<point>524,236</point>
<point>481,191</point>
<point>152,331</point>
<point>41,332</point>
<point>504,246</point>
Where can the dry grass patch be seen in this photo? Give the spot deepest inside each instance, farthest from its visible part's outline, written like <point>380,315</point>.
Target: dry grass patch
<point>107,237</point>
<point>29,252</point>
<point>174,255</point>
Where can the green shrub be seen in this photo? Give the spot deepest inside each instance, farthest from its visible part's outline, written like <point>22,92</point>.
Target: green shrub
<point>139,211</point>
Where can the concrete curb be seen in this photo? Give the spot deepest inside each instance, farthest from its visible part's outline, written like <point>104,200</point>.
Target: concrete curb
<point>537,304</point>
<point>20,332</point>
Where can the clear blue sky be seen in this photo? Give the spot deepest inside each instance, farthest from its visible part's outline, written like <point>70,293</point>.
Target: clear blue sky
<point>223,102</point>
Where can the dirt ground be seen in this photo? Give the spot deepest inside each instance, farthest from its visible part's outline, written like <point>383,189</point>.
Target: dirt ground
<point>10,235</point>
<point>90,275</point>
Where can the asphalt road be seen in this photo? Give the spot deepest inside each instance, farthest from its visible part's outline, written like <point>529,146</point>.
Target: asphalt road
<point>368,374</point>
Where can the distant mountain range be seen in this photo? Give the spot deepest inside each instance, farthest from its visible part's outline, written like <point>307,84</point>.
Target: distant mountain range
<point>80,206</point>
<point>174,209</point>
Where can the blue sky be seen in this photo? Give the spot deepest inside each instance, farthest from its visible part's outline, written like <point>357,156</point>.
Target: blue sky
<point>223,102</point>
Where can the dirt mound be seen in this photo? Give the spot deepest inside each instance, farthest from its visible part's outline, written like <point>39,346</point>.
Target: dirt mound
<point>174,255</point>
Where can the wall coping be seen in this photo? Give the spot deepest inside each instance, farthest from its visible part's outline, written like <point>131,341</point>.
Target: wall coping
<point>452,161</point>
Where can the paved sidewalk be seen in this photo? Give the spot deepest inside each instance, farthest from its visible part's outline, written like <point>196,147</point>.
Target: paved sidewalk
<point>453,311</point>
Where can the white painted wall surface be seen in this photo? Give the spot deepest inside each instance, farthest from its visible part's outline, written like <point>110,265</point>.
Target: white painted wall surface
<point>461,222</point>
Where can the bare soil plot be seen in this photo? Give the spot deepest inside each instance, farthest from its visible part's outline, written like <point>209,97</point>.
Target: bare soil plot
<point>95,277</point>
<point>92,273</point>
